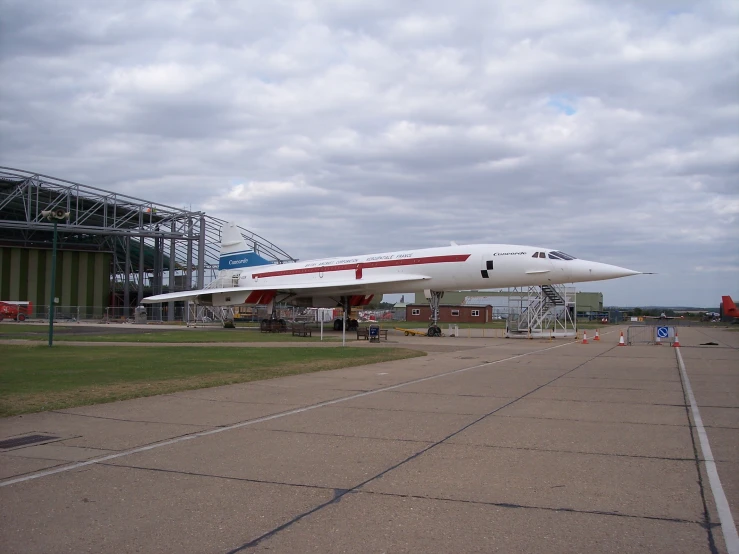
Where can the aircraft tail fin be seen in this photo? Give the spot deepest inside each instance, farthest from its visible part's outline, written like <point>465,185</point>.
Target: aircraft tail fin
<point>729,306</point>
<point>235,253</point>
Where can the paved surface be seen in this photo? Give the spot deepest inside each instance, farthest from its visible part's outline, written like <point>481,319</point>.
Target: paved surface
<point>485,445</point>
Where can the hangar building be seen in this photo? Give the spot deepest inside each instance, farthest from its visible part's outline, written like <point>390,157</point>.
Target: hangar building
<point>112,249</point>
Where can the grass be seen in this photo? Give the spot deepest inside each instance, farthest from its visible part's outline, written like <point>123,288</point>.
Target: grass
<point>36,378</point>
<point>194,336</point>
<point>11,328</point>
<point>123,334</point>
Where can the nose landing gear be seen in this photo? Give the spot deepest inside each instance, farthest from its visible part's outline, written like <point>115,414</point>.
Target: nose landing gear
<point>434,297</point>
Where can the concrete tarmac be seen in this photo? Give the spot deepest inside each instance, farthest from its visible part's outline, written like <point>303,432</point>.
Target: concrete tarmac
<point>484,445</point>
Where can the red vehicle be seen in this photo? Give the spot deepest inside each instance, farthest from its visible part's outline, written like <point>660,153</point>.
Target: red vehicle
<point>12,309</point>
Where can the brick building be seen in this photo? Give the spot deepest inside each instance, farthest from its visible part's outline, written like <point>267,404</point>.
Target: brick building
<point>450,313</point>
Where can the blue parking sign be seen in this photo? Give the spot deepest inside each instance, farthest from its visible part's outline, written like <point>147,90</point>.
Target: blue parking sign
<point>663,332</point>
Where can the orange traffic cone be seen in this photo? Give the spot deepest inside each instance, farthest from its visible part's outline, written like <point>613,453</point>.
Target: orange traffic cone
<point>585,337</point>
<point>597,336</point>
<point>677,340</point>
<point>621,340</point>
<point>658,341</point>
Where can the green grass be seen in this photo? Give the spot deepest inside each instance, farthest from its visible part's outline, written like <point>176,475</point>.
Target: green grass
<point>11,328</point>
<point>108,334</point>
<point>193,336</point>
<point>36,378</point>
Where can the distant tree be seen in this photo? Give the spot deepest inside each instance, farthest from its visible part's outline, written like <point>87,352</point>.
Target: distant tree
<point>637,311</point>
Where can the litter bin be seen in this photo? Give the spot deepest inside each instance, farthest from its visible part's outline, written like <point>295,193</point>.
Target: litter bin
<point>140,314</point>
<point>374,333</point>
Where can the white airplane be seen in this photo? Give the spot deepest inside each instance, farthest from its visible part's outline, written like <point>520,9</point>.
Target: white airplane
<point>355,280</point>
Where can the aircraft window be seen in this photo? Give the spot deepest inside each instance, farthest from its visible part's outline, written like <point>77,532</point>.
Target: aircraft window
<point>554,256</point>
<point>564,256</point>
<point>536,255</point>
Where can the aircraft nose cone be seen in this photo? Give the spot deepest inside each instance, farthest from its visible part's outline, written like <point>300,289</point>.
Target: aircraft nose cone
<point>596,271</point>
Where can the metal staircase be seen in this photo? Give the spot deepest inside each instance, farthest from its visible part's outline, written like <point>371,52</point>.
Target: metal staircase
<point>545,310</point>
<point>552,295</point>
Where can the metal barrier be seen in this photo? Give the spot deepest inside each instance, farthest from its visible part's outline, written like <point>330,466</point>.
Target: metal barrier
<point>648,334</point>
<point>154,314</point>
<point>639,334</point>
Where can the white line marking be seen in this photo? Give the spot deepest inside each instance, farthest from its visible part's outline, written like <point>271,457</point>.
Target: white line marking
<point>722,505</point>
<point>261,419</point>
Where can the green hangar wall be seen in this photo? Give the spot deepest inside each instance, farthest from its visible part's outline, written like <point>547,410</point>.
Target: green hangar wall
<point>82,278</point>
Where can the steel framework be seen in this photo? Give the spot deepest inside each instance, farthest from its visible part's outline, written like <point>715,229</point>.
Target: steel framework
<point>147,240</point>
<point>541,311</point>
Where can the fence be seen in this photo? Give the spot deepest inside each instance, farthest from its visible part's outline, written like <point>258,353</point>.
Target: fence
<point>157,314</point>
<point>180,314</point>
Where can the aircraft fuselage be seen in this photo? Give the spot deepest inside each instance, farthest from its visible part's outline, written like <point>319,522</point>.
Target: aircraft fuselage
<point>446,268</point>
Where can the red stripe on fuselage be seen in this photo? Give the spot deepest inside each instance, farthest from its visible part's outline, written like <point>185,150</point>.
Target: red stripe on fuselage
<point>366,265</point>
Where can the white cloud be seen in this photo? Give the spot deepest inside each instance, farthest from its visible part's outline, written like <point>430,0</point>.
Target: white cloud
<point>416,26</point>
<point>169,78</point>
<point>270,190</point>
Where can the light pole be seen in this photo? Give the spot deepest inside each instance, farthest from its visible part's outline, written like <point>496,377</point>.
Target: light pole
<point>55,216</point>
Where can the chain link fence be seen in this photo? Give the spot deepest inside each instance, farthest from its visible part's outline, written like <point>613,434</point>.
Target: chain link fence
<point>180,314</point>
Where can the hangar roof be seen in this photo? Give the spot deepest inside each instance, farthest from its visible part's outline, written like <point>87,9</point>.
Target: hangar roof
<point>102,220</point>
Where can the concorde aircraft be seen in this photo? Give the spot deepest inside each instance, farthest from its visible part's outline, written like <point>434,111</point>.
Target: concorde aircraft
<point>355,280</point>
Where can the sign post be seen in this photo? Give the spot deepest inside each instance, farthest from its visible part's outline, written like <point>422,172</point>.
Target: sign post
<point>52,300</point>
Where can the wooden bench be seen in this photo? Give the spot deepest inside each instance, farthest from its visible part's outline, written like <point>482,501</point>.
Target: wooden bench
<point>363,333</point>
<point>300,330</point>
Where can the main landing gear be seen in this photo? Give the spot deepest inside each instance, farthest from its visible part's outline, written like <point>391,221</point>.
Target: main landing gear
<point>351,324</point>
<point>434,297</point>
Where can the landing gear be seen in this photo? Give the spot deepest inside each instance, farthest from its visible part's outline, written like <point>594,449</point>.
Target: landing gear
<point>434,297</point>
<point>345,323</point>
<point>434,331</point>
<point>351,324</point>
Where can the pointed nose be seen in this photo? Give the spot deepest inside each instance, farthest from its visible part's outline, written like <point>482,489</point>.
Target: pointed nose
<point>596,271</point>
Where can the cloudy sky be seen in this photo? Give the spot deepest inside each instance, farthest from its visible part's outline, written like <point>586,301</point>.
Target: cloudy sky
<point>609,130</point>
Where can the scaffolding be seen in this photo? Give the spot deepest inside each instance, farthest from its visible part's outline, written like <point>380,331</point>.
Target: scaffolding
<point>546,311</point>
<point>155,248</point>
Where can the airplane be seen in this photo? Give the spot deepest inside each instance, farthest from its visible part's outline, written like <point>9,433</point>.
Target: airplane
<point>729,309</point>
<point>352,281</point>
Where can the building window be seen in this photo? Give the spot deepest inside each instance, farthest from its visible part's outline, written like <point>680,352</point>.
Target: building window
<point>455,313</point>
<point>416,311</point>
<point>475,313</point>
